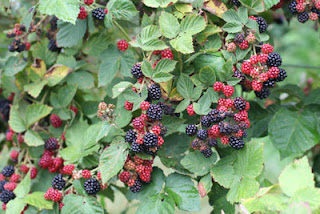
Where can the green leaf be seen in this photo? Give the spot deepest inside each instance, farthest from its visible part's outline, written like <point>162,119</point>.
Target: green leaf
<point>183,44</point>
<point>65,10</point>
<point>181,189</point>
<point>23,187</point>
<point>162,77</point>
<point>84,79</point>
<point>165,65</point>
<point>231,16</point>
<point>223,171</point>
<point>76,204</point>
<point>204,103</point>
<point>207,75</point>
<point>169,25</point>
<point>64,96</point>
<point>269,3</point>
<point>158,3</point>
<point>35,88</point>
<point>183,105</point>
<point>119,88</point>
<point>32,138</point>
<point>311,196</point>
<point>147,69</point>
<point>205,184</point>
<point>28,18</point>
<point>157,204</point>
<point>15,206</point>
<point>146,20</point>
<point>36,199</point>
<point>14,65</point>
<point>313,97</point>
<point>196,163</point>
<point>41,51</point>
<point>296,176</point>
<point>114,61</point>
<point>293,132</point>
<point>243,15</point>
<point>35,112</point>
<point>232,27</point>
<point>122,9</point>
<point>69,35</point>
<point>96,44</point>
<point>210,30</point>
<point>173,124</point>
<point>192,25</point>
<point>185,86</point>
<point>16,122</point>
<point>112,160</point>
<point>244,189</point>
<point>104,131</point>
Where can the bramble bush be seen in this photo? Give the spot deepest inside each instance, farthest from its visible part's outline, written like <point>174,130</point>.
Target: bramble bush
<point>175,104</point>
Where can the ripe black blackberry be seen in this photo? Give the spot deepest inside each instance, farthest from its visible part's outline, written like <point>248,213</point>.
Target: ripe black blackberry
<point>293,7</point>
<point>236,142</point>
<point>225,128</point>
<point>136,71</point>
<point>235,2</point>
<point>92,186</point>
<point>21,47</point>
<point>7,196</point>
<point>58,182</point>
<point>206,121</point>
<point>303,17</point>
<point>11,48</point>
<point>7,171</point>
<point>5,109</point>
<point>154,92</point>
<point>220,116</point>
<point>130,136</point>
<point>238,38</point>
<point>264,93</point>
<point>51,144</point>
<point>98,13</point>
<point>150,140</point>
<point>282,75</point>
<point>136,187</point>
<point>191,129</point>
<point>315,10</point>
<point>263,25</point>
<point>154,112</point>
<point>274,60</point>
<point>196,143</point>
<point>270,83</point>
<point>53,23</point>
<point>135,147</point>
<point>238,74</point>
<point>150,151</point>
<point>2,183</point>
<point>206,152</point>
<point>163,130</point>
<point>212,142</point>
<point>239,103</point>
<point>202,134</point>
<point>52,46</point>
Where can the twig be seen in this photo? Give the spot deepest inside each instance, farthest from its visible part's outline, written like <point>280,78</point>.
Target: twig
<point>301,66</point>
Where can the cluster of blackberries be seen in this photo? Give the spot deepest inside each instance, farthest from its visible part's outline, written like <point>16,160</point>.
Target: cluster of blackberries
<point>227,122</point>
<point>261,71</point>
<point>7,187</point>
<point>51,35</point>
<point>305,10</point>
<point>236,3</point>
<point>168,110</point>
<point>18,45</point>
<point>136,172</point>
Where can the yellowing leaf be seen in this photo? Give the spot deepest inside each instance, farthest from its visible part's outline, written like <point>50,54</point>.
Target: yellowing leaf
<point>175,96</point>
<point>215,7</point>
<point>56,73</point>
<point>39,67</point>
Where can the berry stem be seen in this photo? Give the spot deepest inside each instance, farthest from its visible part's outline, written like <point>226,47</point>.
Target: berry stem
<point>301,66</point>
<point>122,30</point>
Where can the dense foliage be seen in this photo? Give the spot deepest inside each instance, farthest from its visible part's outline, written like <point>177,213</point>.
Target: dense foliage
<point>180,105</point>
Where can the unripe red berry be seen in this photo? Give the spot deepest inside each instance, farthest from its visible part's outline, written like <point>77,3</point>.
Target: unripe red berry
<point>218,86</point>
<point>74,109</point>
<point>88,2</point>
<point>9,135</point>
<point>246,67</point>
<point>33,173</point>
<point>266,48</point>
<point>228,90</point>
<point>124,176</point>
<point>167,53</point>
<point>313,16</point>
<point>231,47</point>
<point>68,169</point>
<point>83,13</point>
<point>14,178</point>
<point>122,45</point>
<point>86,173</point>
<point>224,140</point>
<point>244,45</point>
<point>24,168</point>
<point>138,123</point>
<point>256,85</point>
<point>28,45</point>
<point>262,58</point>
<point>190,110</point>
<point>253,59</point>
<point>144,105</point>
<point>128,106</point>
<point>263,77</point>
<point>14,154</point>
<point>55,120</point>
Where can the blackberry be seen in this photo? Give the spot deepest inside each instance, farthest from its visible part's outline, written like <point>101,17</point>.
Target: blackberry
<point>235,2</point>
<point>264,93</point>
<point>274,60</point>
<point>51,144</point>
<point>7,171</point>
<point>150,140</point>
<point>7,196</point>
<point>196,143</point>
<point>135,147</point>
<point>5,109</point>
<point>154,112</point>
<point>150,151</point>
<point>130,136</point>
<point>263,25</point>
<point>303,17</point>
<point>236,142</point>
<point>53,23</point>
<point>270,83</point>
<point>163,130</point>
<point>136,71</point>
<point>212,142</point>
<point>238,74</point>
<point>92,186</point>
<point>136,187</point>
<point>202,134</point>
<point>282,75</point>
<point>154,92</point>
<point>229,114</point>
<point>315,10</point>
<point>244,134</point>
<point>11,48</point>
<point>225,128</point>
<point>293,7</point>
<point>239,103</point>
<point>220,116</point>
<point>206,152</point>
<point>206,121</point>
<point>2,183</point>
<point>191,129</point>
<point>238,38</point>
<point>98,13</point>
<point>258,49</point>
<point>58,182</point>
<point>52,46</point>
<point>21,47</point>
<point>213,112</point>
